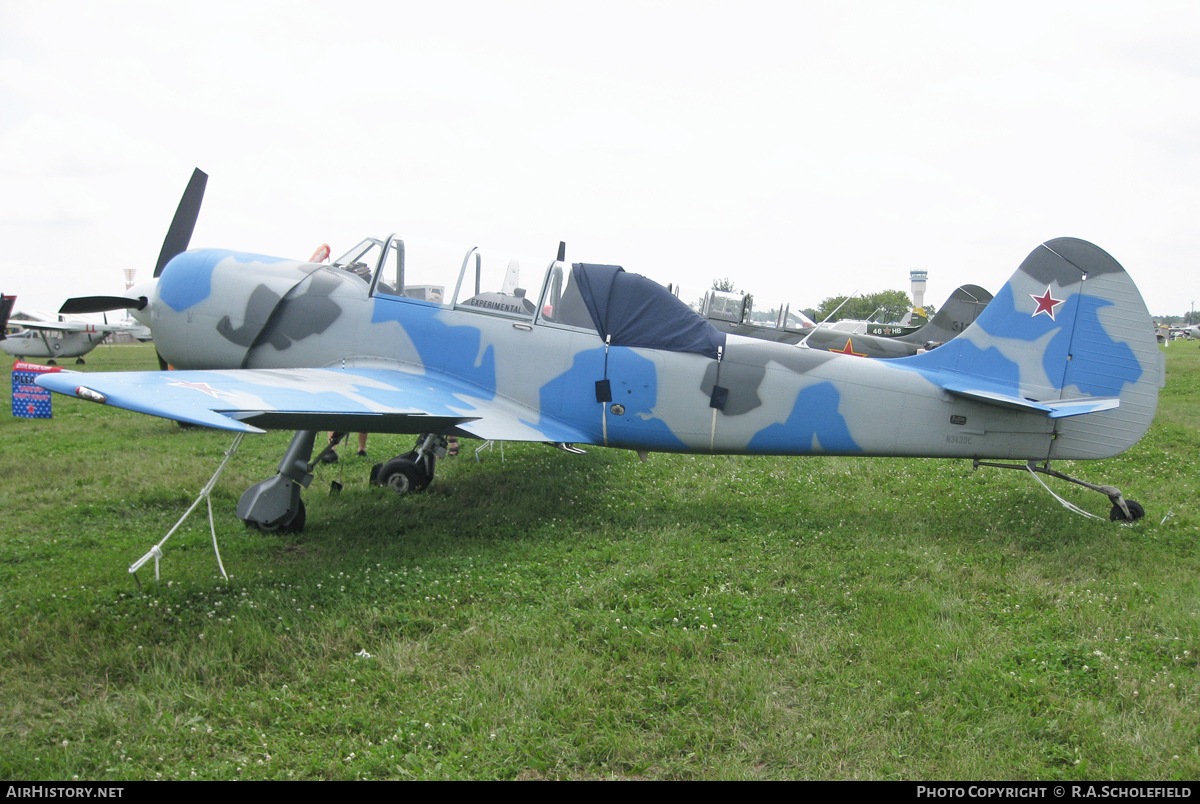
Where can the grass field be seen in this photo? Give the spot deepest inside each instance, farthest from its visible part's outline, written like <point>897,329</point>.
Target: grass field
<point>559,616</point>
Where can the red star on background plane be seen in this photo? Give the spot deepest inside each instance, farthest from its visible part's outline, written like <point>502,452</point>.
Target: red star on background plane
<point>849,350</point>
<point>1046,304</point>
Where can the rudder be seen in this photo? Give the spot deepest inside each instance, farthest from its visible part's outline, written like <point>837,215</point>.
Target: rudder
<point>1070,324</point>
<point>1113,352</point>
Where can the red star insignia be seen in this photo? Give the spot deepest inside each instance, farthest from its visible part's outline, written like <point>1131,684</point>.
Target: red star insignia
<point>849,350</point>
<point>1046,304</point>
<point>202,387</point>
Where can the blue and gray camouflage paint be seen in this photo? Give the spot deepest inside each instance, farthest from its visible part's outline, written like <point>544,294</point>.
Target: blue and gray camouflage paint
<point>1062,364</point>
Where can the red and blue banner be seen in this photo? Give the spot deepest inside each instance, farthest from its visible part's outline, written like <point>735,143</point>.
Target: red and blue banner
<point>28,400</point>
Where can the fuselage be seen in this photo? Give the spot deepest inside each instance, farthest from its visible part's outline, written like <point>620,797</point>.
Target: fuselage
<point>51,345</point>
<point>217,310</point>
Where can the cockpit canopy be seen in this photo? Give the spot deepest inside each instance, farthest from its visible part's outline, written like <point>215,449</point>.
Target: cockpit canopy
<point>442,274</point>
<point>623,308</point>
<point>744,309</point>
<point>635,311</point>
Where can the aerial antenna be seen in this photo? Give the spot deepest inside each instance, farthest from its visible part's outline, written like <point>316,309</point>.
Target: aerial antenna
<point>840,306</point>
<point>831,315</point>
<point>562,251</point>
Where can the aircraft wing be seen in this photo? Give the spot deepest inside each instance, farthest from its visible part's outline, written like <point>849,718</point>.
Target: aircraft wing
<point>368,400</point>
<point>58,326</point>
<point>74,326</point>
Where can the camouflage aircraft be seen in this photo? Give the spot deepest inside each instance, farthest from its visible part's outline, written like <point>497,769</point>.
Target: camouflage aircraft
<point>398,338</point>
<point>959,312</point>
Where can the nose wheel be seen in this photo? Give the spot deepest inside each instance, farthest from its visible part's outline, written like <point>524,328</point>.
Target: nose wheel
<point>412,471</point>
<point>402,475</point>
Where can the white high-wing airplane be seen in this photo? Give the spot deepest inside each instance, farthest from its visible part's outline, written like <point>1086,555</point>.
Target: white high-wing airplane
<point>55,340</point>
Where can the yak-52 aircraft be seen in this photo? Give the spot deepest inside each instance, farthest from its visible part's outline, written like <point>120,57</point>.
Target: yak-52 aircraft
<point>397,338</point>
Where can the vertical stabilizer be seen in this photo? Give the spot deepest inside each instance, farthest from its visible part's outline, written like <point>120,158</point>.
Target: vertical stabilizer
<point>6,308</point>
<point>1069,325</point>
<point>965,305</point>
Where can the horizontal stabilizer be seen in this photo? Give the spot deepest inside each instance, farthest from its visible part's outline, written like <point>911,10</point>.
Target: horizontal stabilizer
<point>1054,409</point>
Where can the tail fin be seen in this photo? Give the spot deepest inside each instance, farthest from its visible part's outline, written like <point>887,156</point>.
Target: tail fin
<point>1068,327</point>
<point>959,312</point>
<point>6,307</point>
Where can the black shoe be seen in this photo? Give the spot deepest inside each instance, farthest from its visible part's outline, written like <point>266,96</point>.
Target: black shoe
<point>329,457</point>
<point>362,453</point>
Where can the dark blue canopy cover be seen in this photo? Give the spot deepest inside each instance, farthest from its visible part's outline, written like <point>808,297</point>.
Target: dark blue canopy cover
<point>636,311</point>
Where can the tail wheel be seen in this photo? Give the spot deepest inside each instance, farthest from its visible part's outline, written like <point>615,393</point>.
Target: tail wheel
<point>1136,512</point>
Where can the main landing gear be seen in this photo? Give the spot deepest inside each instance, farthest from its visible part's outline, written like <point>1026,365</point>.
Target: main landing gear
<point>274,505</point>
<point>1123,510</point>
<point>412,471</point>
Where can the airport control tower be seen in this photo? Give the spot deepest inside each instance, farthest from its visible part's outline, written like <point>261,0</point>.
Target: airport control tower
<point>918,287</point>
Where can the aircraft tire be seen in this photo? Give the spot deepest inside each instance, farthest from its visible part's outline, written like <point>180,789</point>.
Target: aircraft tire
<point>293,525</point>
<point>1136,512</point>
<point>402,476</point>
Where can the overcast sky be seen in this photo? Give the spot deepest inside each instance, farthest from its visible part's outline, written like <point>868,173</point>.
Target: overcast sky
<point>802,149</point>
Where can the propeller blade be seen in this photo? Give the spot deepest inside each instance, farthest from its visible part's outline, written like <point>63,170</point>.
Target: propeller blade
<point>100,304</point>
<point>184,222</point>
